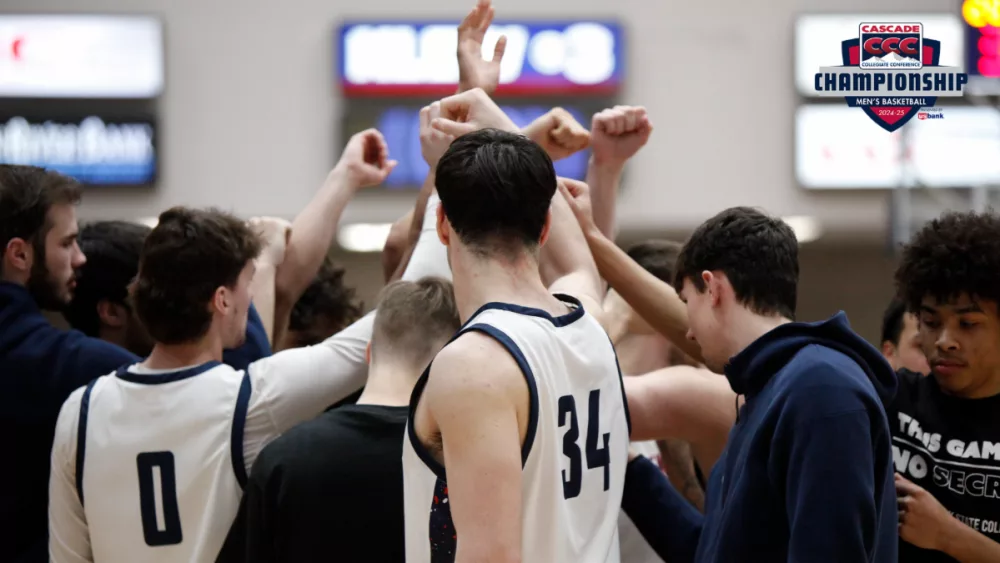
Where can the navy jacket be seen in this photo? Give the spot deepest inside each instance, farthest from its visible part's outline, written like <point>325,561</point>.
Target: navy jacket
<point>807,473</point>
<point>40,365</point>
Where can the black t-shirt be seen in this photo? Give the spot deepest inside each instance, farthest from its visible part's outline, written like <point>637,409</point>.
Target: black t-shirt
<point>330,489</point>
<point>950,447</point>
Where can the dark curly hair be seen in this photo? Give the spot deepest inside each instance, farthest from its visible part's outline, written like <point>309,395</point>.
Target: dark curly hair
<point>185,259</point>
<point>955,254</point>
<point>758,253</point>
<point>326,307</point>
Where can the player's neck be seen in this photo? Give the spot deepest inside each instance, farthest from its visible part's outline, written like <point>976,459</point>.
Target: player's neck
<point>176,356</point>
<point>389,385</point>
<point>480,281</point>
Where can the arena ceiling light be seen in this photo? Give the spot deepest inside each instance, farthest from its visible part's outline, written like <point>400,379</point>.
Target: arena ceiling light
<point>807,229</point>
<point>363,237</point>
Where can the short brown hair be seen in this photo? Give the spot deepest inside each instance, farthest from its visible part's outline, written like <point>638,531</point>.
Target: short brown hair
<point>185,259</point>
<point>26,195</point>
<point>657,256</point>
<point>413,318</point>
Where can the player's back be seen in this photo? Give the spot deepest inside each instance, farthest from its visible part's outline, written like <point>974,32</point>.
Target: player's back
<point>159,454</point>
<point>575,448</point>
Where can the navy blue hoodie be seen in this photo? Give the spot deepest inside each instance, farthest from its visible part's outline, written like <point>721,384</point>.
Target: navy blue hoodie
<point>807,473</point>
<point>40,365</point>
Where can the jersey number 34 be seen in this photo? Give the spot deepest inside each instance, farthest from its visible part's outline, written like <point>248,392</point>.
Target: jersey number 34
<point>596,456</point>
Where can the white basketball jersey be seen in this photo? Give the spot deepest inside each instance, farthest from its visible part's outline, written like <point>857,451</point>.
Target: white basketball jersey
<point>160,463</point>
<point>575,449</point>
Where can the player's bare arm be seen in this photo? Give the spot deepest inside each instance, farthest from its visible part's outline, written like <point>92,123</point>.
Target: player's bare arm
<point>656,301</point>
<point>565,262</point>
<point>686,403</point>
<point>617,134</point>
<point>274,232</point>
<point>477,401</point>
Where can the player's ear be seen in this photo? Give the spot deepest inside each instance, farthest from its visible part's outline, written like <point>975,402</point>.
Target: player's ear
<point>221,299</point>
<point>888,349</point>
<point>546,227</point>
<point>18,255</point>
<point>442,226</point>
<point>112,314</point>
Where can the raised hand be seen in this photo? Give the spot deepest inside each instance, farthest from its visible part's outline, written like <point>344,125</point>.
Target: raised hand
<point>471,111</point>
<point>433,142</point>
<point>275,233</point>
<point>618,133</point>
<point>577,195</point>
<point>473,70</point>
<point>558,133</point>
<point>365,160</point>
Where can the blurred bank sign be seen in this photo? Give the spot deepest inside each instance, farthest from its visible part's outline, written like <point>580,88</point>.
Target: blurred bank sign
<point>818,39</point>
<point>94,150</point>
<point>418,59</point>
<point>839,147</point>
<point>80,56</point>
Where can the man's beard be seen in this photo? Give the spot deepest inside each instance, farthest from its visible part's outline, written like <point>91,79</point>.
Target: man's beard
<point>43,288</point>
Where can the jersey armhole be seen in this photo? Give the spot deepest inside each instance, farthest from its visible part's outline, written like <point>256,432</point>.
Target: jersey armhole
<point>529,377</point>
<point>621,385</point>
<point>238,428</point>
<point>81,437</point>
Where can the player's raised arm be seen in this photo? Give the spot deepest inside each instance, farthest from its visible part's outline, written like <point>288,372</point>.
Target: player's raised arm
<point>481,432</point>
<point>365,162</point>
<point>565,262</point>
<point>473,70</point>
<point>558,133</point>
<point>657,302</point>
<point>275,233</point>
<point>616,134</point>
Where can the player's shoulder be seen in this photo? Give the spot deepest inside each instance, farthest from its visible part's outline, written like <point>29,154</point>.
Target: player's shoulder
<point>474,362</point>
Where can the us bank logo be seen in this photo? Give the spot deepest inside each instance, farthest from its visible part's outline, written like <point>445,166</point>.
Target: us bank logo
<point>890,71</point>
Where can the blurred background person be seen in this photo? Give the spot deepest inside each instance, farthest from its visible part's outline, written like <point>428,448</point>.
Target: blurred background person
<point>901,343</point>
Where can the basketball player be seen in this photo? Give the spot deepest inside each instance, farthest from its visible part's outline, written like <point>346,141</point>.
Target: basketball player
<point>901,339</point>
<point>524,407</point>
<point>327,483</point>
<point>946,427</point>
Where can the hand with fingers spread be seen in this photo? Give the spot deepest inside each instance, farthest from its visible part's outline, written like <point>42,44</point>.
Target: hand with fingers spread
<point>923,521</point>
<point>577,195</point>
<point>473,70</point>
<point>365,161</point>
<point>433,142</point>
<point>274,232</point>
<point>618,133</point>
<point>558,133</point>
<point>471,111</point>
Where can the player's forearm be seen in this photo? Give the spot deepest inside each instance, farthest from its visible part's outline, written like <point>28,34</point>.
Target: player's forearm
<point>655,301</point>
<point>679,465</point>
<point>262,287</point>
<point>969,546</point>
<point>604,179</point>
<point>566,252</point>
<point>313,231</point>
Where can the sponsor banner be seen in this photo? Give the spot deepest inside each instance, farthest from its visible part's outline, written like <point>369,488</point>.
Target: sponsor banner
<point>838,147</point>
<point>401,127</point>
<point>418,59</point>
<point>92,149</point>
<point>982,45</point>
<point>80,56</point>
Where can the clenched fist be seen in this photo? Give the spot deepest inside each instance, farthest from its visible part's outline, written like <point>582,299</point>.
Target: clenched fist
<point>618,133</point>
<point>433,142</point>
<point>471,111</point>
<point>558,133</point>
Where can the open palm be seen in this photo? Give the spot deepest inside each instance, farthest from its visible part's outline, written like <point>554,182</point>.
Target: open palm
<point>473,70</point>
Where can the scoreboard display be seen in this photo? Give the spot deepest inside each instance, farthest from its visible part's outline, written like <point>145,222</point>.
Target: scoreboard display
<point>982,39</point>
<point>418,59</point>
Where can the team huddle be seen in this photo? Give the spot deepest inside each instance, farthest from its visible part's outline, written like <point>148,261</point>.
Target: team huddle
<point>524,390</point>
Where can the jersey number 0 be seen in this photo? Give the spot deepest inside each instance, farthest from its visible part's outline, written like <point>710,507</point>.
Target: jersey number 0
<point>596,457</point>
<point>160,495</point>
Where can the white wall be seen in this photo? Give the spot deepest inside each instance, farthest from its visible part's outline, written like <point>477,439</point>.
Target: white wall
<point>249,116</point>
